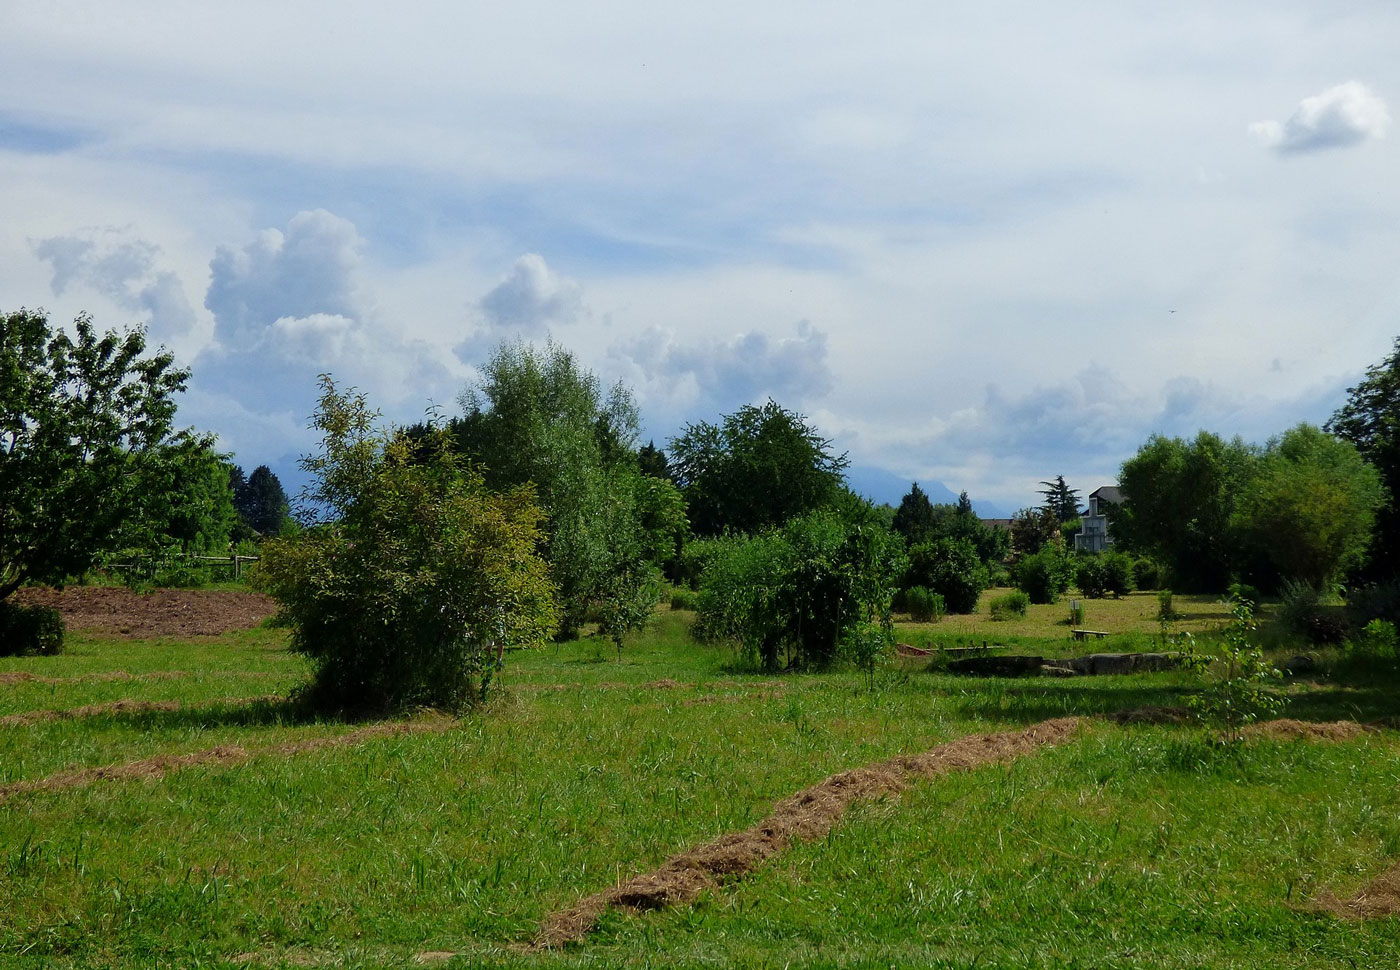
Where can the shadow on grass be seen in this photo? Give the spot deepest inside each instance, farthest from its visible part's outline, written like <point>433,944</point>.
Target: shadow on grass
<point>293,711</point>
<point>1028,702</point>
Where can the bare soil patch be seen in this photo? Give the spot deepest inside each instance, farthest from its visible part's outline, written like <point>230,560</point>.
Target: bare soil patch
<point>805,816</point>
<point>118,611</point>
<point>227,754</point>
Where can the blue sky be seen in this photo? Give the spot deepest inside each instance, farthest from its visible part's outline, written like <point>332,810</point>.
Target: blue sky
<point>977,245</point>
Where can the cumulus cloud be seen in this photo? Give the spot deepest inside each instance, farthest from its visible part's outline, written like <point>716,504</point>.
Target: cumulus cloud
<point>527,304</point>
<point>123,268</point>
<point>720,375</point>
<point>294,303</point>
<point>1344,115</point>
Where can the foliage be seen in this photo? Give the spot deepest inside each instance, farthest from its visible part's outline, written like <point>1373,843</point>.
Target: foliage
<point>1061,501</point>
<point>865,647</point>
<point>684,598</point>
<point>1370,420</point>
<point>1378,642</point>
<point>1044,575</point>
<point>951,568</point>
<point>1303,609</point>
<point>536,417</point>
<point>27,631</point>
<point>1309,510</point>
<point>1032,530</point>
<point>1243,591</point>
<point>1118,572</point>
<point>792,596</point>
<point>86,445</point>
<point>1238,693</point>
<point>914,519</point>
<point>651,460</point>
<point>1147,574</point>
<point>1008,605</point>
<point>1166,609</point>
<point>1076,613</point>
<point>1179,506</point>
<point>924,605</point>
<point>1371,601</point>
<point>1091,576</point>
<point>260,500</point>
<point>417,578</point>
<point>758,468</point>
<point>199,515</point>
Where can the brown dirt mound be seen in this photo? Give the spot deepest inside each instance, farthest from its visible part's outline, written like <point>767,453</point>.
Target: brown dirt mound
<point>118,611</point>
<point>15,677</point>
<point>1287,729</point>
<point>123,706</point>
<point>161,765</point>
<point>805,816</point>
<point>1380,898</point>
<point>909,650</point>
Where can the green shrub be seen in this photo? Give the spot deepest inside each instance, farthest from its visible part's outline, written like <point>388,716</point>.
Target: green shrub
<point>1238,692</point>
<point>1090,576</point>
<point>1303,610</point>
<point>1147,574</point>
<point>1378,642</point>
<point>1244,593</point>
<point>420,579</point>
<point>951,568</point>
<point>1166,611</point>
<point>1044,575</point>
<point>1076,613</point>
<point>1117,573</point>
<point>684,599</point>
<point>791,596</point>
<point>1009,605</point>
<point>27,631</point>
<point>924,605</point>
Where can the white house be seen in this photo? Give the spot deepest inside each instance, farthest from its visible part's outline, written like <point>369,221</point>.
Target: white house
<point>1093,528</point>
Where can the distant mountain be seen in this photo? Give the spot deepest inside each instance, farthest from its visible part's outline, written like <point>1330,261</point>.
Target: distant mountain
<point>886,488</point>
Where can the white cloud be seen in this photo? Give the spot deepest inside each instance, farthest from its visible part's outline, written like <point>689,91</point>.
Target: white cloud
<point>526,305</point>
<point>1344,115</point>
<point>124,268</point>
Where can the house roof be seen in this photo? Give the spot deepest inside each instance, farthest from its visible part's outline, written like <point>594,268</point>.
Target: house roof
<point>1108,493</point>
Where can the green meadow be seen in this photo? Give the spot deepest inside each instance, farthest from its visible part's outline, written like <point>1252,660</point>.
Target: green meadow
<point>245,832</point>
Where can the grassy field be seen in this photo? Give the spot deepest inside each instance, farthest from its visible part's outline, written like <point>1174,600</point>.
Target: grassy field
<point>252,835</point>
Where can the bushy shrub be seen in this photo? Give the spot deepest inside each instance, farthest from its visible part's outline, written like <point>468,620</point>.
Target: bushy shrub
<point>1090,576</point>
<point>1117,573</point>
<point>1147,574</point>
<point>1166,609</point>
<point>27,631</point>
<point>924,605</point>
<point>1244,593</point>
<point>1377,642</point>
<point>1044,575</point>
<point>684,599</point>
<point>951,568</point>
<point>1076,613</point>
<point>419,579</point>
<point>1239,691</point>
<point>1303,610</point>
<point>791,596</point>
<point>1009,605</point>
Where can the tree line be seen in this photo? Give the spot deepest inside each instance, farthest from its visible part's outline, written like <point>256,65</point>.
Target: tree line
<point>422,553</point>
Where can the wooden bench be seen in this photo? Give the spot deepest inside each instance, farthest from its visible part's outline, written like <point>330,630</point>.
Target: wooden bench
<point>1086,634</point>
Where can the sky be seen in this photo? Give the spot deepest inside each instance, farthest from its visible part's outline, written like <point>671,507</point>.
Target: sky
<point>978,245</point>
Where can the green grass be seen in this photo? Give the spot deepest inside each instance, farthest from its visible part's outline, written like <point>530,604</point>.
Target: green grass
<point>1130,847</point>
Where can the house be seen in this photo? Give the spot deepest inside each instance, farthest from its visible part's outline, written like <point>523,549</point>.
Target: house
<point>1093,526</point>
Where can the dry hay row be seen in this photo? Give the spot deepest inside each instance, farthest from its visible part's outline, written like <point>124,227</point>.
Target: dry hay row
<point>228,754</point>
<point>1380,898</point>
<point>805,816</point>
<point>123,706</point>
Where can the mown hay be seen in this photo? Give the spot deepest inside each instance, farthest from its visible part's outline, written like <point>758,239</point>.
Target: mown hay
<point>1380,898</point>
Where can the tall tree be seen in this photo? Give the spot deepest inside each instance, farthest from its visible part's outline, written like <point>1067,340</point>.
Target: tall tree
<point>652,461</point>
<point>1060,499</point>
<point>759,466</point>
<point>1179,506</point>
<point>86,437</point>
<point>914,519</point>
<point>536,416</point>
<point>1370,419</point>
<point>261,502</point>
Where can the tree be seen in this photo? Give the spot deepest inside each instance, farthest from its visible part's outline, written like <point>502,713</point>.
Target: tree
<point>200,515</point>
<point>538,417</point>
<point>651,460</point>
<point>1370,420</point>
<point>260,501</point>
<point>1309,510</point>
<point>1179,506</point>
<point>414,578</point>
<point>950,567</point>
<point>1060,500</point>
<point>759,467</point>
<point>86,436</point>
<point>1031,529</point>
<point>914,519</point>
